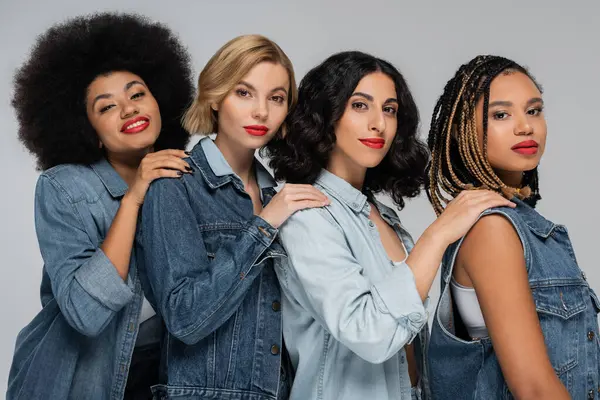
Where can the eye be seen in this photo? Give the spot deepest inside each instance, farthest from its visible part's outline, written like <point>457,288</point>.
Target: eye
<point>390,110</point>
<point>359,105</point>
<point>278,99</point>
<point>500,115</point>
<point>106,108</point>
<point>138,95</point>
<point>535,111</point>
<point>242,92</point>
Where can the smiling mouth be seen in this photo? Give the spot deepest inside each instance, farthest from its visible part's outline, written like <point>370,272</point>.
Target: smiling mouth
<point>135,125</point>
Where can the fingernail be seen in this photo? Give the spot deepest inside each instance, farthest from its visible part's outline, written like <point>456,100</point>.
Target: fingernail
<point>188,152</point>
<point>179,173</point>
<point>188,169</point>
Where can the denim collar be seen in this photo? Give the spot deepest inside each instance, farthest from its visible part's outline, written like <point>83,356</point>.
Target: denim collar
<point>217,172</point>
<point>534,220</point>
<point>113,182</point>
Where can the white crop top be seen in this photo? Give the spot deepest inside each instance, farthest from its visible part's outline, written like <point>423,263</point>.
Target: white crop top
<point>469,310</point>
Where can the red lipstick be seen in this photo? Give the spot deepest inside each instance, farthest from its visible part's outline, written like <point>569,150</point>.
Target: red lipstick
<point>256,130</point>
<point>527,147</point>
<point>374,143</point>
<point>135,125</point>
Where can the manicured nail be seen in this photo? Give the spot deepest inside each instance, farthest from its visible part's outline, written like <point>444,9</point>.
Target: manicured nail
<point>179,173</point>
<point>188,152</point>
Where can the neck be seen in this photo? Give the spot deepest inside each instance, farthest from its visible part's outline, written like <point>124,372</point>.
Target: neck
<point>340,165</point>
<point>239,158</point>
<point>126,165</point>
<point>511,178</point>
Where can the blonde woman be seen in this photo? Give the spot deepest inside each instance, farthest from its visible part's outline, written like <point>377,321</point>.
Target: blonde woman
<point>208,240</point>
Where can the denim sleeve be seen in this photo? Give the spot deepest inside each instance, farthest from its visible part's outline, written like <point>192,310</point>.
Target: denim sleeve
<point>85,283</point>
<point>195,295</point>
<point>373,319</point>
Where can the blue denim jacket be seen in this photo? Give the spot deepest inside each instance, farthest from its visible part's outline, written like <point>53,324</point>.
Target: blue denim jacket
<point>567,309</point>
<point>80,344</point>
<point>348,310</point>
<point>206,265</point>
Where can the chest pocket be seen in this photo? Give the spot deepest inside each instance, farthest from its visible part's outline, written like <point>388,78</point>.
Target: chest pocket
<point>561,314</point>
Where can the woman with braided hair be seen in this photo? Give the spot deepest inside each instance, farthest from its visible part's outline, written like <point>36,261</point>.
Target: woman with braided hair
<point>516,317</point>
<point>99,103</point>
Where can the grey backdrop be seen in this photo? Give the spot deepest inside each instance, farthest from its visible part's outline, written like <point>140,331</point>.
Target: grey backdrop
<point>426,40</point>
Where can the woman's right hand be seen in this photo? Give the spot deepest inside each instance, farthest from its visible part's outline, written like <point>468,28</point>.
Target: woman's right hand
<point>463,211</point>
<point>291,198</point>
<point>161,164</point>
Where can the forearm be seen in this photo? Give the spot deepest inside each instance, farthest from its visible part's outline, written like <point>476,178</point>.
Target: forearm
<point>119,241</point>
<point>425,258</point>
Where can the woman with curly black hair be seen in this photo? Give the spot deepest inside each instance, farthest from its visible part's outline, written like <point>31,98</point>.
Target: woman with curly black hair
<point>99,103</point>
<point>353,296</point>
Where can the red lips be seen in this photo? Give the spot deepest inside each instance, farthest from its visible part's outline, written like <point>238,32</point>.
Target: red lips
<point>527,147</point>
<point>374,143</point>
<point>139,124</point>
<point>256,130</point>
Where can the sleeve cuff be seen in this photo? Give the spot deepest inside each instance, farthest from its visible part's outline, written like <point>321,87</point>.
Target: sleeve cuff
<point>398,295</point>
<point>262,230</point>
<point>98,277</point>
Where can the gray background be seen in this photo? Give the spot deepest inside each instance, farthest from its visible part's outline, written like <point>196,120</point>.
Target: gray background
<point>426,40</point>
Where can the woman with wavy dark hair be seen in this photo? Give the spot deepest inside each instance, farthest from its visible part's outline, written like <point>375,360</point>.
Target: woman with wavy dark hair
<point>353,296</point>
<point>99,103</point>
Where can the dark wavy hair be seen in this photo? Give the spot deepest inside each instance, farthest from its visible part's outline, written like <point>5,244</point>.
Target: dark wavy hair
<point>50,87</point>
<point>323,95</point>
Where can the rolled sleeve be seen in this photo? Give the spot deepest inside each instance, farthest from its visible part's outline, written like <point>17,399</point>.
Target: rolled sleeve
<point>99,277</point>
<point>398,295</point>
<point>84,282</point>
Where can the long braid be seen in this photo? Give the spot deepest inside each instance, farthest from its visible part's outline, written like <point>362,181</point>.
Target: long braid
<point>458,160</point>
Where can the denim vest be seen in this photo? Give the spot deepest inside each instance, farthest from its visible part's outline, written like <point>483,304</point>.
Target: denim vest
<point>567,309</point>
<point>79,345</point>
<point>206,265</point>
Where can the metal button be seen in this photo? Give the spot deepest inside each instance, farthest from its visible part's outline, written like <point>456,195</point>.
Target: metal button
<point>371,224</point>
<point>274,349</point>
<point>131,327</point>
<point>276,306</point>
<point>591,335</point>
<point>591,394</point>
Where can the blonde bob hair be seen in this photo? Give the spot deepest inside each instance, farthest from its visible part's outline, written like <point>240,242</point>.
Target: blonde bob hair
<point>225,70</point>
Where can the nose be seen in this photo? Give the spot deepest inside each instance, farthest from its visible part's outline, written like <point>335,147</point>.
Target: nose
<point>523,127</point>
<point>377,123</point>
<point>129,109</point>
<point>260,111</point>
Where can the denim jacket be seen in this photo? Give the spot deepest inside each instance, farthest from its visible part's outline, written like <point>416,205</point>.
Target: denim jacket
<point>79,345</point>
<point>348,310</point>
<point>206,265</point>
<point>566,306</point>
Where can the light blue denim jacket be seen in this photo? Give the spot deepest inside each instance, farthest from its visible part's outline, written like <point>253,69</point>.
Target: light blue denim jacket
<point>79,346</point>
<point>348,311</point>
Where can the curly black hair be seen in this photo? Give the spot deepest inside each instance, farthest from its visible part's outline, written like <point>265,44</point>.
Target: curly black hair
<point>323,95</point>
<point>50,87</point>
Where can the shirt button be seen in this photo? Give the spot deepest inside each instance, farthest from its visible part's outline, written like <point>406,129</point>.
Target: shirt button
<point>276,306</point>
<point>274,349</point>
<point>591,335</point>
<point>371,224</point>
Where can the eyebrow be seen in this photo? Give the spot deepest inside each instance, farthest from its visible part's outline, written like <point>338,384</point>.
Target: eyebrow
<point>278,88</point>
<point>501,103</point>
<point>108,95</point>
<point>370,98</point>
